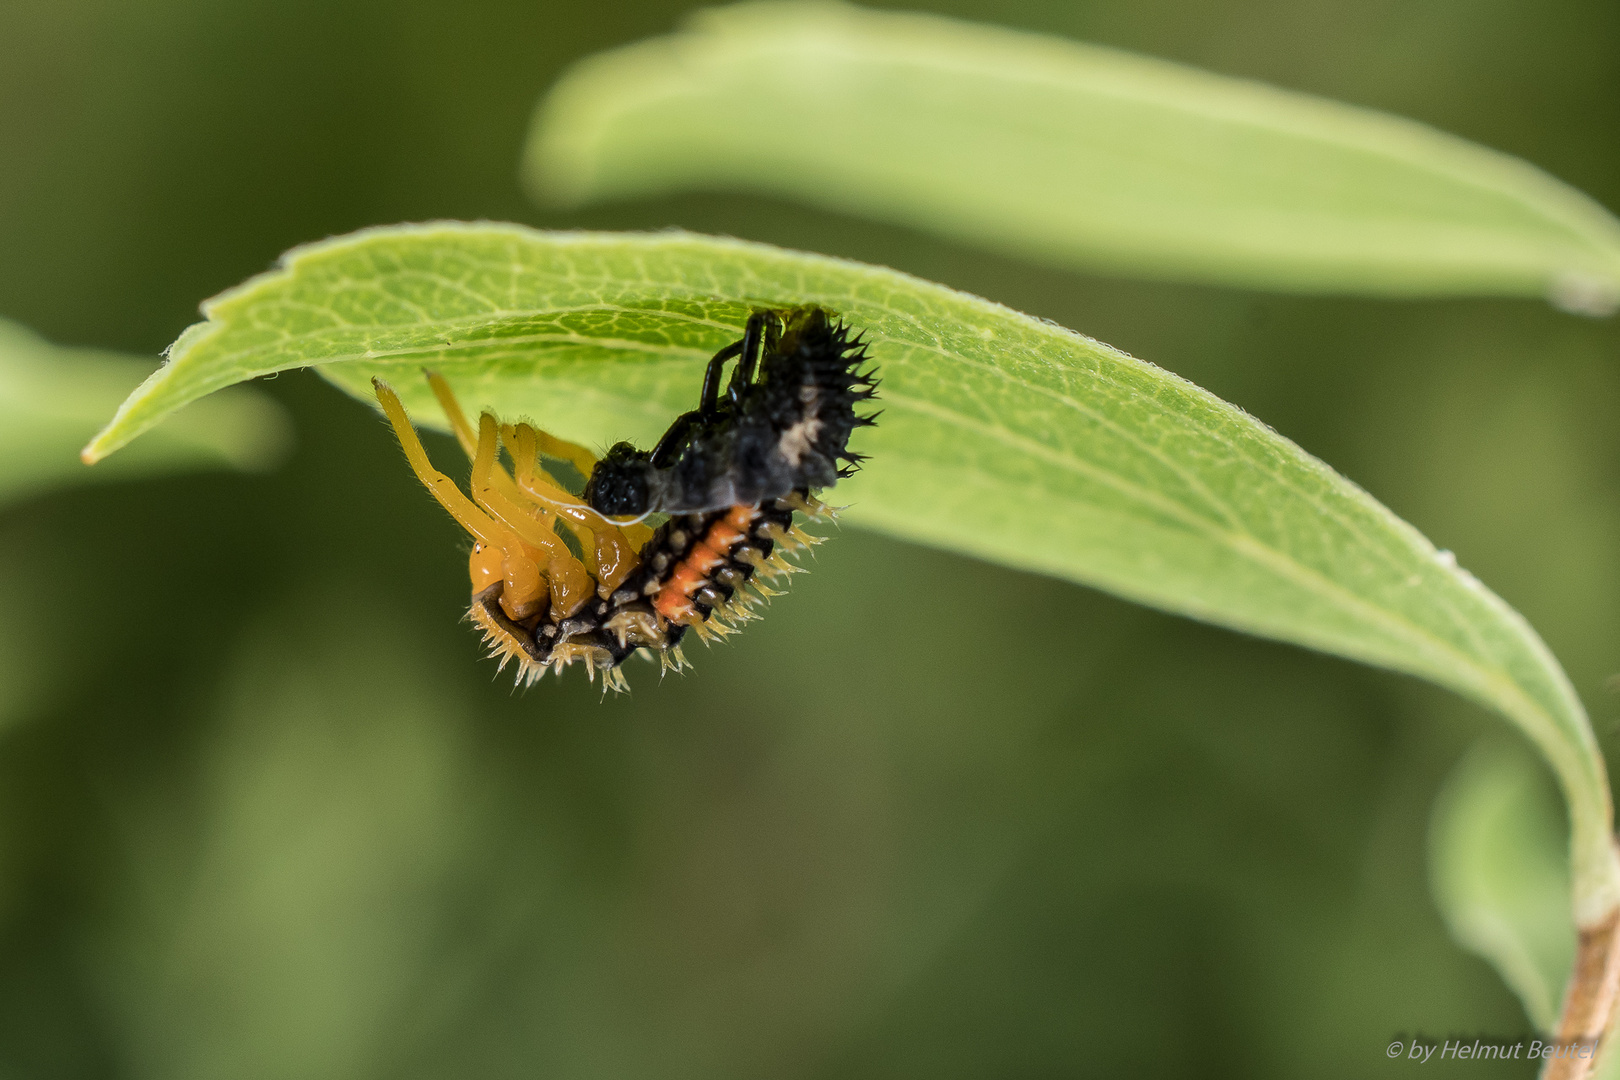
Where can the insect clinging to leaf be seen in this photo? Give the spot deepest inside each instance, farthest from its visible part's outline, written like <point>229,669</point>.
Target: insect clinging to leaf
<point>731,474</point>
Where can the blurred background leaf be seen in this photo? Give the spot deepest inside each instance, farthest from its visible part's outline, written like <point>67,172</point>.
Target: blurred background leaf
<point>52,399</point>
<point>1175,851</point>
<point>1067,153</point>
<point>1495,842</point>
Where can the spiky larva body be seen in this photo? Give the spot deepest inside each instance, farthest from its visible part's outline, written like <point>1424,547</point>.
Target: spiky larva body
<point>731,474</point>
<point>705,572</point>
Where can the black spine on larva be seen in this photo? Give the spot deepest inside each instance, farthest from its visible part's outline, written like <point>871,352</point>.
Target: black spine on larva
<point>788,430</point>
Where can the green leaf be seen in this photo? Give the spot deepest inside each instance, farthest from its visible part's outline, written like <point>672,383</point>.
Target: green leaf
<point>1002,436</point>
<point>52,399</point>
<point>1498,875</point>
<point>1067,153</point>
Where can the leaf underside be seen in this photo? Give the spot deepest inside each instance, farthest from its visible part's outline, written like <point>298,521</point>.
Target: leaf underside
<point>1002,436</point>
<point>1066,153</point>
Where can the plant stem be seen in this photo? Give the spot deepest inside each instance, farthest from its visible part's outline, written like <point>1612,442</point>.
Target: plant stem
<point>1589,1002</point>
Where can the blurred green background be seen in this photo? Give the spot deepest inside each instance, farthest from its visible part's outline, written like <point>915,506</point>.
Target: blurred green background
<point>265,813</point>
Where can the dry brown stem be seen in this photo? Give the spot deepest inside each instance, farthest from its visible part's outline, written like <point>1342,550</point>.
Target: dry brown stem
<point>1589,1003</point>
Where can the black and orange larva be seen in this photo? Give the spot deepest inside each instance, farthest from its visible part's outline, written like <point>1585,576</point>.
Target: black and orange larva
<point>731,474</point>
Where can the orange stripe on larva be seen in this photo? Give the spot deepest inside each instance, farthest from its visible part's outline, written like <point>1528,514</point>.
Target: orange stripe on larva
<point>722,537</point>
<point>673,601</point>
<point>687,579</point>
<point>673,605</point>
<point>701,560</point>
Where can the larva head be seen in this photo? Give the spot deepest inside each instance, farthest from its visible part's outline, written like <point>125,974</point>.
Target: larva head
<point>621,484</point>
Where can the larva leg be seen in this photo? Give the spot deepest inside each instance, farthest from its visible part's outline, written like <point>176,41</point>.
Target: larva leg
<point>749,358</point>
<point>563,450</point>
<point>498,551</point>
<point>452,412</point>
<point>571,583</point>
<point>465,434</point>
<point>547,444</point>
<point>613,552</point>
<point>709,398</point>
<point>444,489</point>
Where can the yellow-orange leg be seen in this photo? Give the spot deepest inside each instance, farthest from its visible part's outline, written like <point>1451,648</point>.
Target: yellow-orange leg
<point>525,590</point>
<point>571,583</point>
<point>559,562</point>
<point>610,547</point>
<point>613,548</point>
<point>466,435</point>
